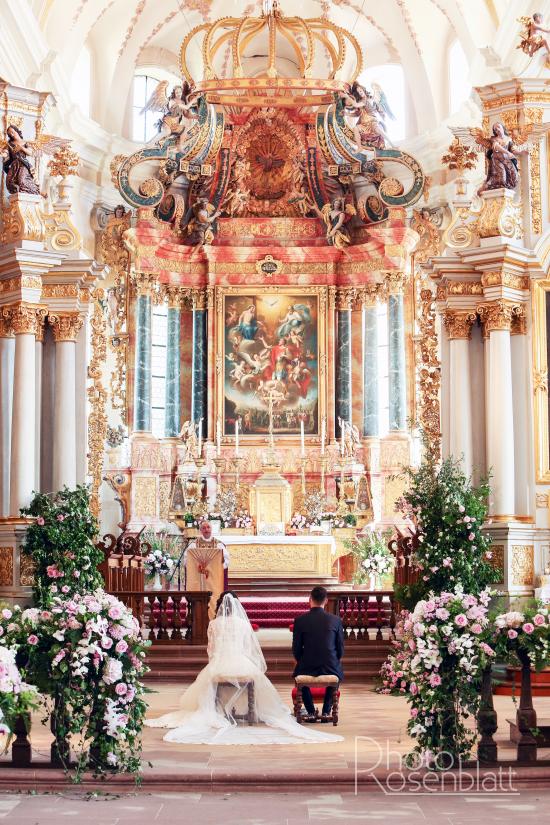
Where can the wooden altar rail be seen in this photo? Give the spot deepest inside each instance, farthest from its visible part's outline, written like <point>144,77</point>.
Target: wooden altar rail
<point>526,720</point>
<point>171,616</point>
<point>364,614</point>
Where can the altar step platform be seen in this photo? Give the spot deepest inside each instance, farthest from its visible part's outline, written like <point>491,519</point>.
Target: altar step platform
<point>182,664</point>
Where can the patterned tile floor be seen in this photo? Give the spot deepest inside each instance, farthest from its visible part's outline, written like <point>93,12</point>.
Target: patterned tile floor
<point>528,808</point>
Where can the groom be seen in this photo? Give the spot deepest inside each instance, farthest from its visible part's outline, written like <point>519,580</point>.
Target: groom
<point>318,647</point>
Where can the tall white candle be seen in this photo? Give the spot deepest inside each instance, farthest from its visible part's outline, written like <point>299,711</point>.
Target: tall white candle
<point>302,437</point>
<point>218,437</point>
<point>237,437</point>
<point>323,435</point>
<point>199,444</point>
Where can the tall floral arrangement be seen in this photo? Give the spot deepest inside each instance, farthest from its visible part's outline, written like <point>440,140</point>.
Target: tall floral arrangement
<point>61,543</point>
<point>447,512</point>
<point>87,654</point>
<point>438,665</point>
<point>374,558</point>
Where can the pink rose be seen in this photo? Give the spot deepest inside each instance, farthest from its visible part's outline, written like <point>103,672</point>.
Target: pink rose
<point>486,649</point>
<point>115,612</point>
<point>7,614</point>
<point>528,627</point>
<point>413,689</point>
<point>461,620</point>
<point>51,571</point>
<point>538,619</point>
<point>106,643</point>
<point>512,634</point>
<point>65,588</point>
<point>471,537</point>
<point>32,639</point>
<point>40,521</point>
<point>121,689</point>
<point>476,628</point>
<point>414,713</point>
<point>435,680</point>
<point>447,562</point>
<point>60,517</point>
<point>121,647</point>
<point>76,574</point>
<point>53,588</point>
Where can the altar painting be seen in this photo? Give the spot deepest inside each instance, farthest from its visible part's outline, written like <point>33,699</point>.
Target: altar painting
<point>271,352</point>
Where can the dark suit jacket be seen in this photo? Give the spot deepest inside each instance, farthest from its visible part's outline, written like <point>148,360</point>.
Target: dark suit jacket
<point>318,644</point>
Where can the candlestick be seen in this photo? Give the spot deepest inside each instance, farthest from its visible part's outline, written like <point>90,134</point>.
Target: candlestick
<point>302,437</point>
<point>323,472</point>
<point>219,464</point>
<point>237,438</point>
<point>218,437</point>
<point>237,462</point>
<point>199,443</point>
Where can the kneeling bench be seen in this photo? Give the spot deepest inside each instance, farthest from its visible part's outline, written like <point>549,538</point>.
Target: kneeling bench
<point>317,685</point>
<point>225,682</point>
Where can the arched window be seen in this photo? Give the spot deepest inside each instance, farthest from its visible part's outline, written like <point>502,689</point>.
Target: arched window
<point>459,70</point>
<point>81,82</point>
<point>391,78</point>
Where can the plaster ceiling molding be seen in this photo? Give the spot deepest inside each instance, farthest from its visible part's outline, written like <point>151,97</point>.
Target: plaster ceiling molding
<point>159,58</point>
<point>133,22</point>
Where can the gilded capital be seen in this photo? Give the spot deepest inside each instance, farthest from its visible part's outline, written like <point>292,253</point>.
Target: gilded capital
<point>499,315</point>
<point>65,326</point>
<point>370,295</point>
<point>459,323</point>
<point>347,297</point>
<point>394,281</point>
<point>199,298</point>
<point>145,283</point>
<point>26,319</point>
<point>6,330</point>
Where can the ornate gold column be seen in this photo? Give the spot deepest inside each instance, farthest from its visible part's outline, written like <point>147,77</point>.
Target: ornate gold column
<point>458,324</point>
<point>497,317</point>
<point>65,329</point>
<point>25,319</point>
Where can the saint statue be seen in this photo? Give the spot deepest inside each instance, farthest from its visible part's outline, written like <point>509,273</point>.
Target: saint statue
<point>17,166</point>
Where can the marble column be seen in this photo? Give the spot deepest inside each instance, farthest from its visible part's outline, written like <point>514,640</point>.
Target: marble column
<point>397,372</point>
<point>343,357</point>
<point>25,321</point>
<point>497,317</point>
<point>459,327</point>
<point>173,356</point>
<point>370,370</point>
<point>7,352</point>
<point>142,378</point>
<point>199,398</point>
<point>65,329</point>
<point>38,406</point>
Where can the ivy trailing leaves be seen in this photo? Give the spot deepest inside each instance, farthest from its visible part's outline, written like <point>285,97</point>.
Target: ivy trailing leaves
<point>61,543</point>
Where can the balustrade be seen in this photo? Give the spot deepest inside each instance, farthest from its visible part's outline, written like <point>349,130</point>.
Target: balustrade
<point>365,614</point>
<point>170,616</point>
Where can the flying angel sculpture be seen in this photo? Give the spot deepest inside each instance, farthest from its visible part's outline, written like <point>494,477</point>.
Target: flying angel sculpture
<point>177,107</point>
<point>501,150</point>
<point>371,108</point>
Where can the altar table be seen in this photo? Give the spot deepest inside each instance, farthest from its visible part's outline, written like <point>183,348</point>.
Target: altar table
<point>288,556</point>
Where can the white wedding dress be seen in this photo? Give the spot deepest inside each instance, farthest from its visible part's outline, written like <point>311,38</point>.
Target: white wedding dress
<point>235,657</point>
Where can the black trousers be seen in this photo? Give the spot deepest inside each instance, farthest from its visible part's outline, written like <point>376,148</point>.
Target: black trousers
<point>327,701</point>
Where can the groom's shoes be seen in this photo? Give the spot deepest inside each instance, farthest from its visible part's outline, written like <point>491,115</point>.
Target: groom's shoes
<point>310,717</point>
<point>326,717</point>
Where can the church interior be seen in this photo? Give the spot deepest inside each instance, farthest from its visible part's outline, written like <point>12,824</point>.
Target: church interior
<point>274,316</point>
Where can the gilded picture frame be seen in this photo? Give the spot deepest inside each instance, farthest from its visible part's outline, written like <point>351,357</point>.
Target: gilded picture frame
<point>316,296</point>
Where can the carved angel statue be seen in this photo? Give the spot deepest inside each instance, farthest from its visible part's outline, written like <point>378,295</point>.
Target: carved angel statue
<point>188,435</point>
<point>335,216</point>
<point>532,39</point>
<point>501,150</point>
<point>371,108</point>
<point>176,108</point>
<point>200,220</point>
<point>16,152</point>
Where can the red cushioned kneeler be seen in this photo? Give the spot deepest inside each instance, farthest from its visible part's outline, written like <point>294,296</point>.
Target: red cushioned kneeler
<point>317,693</point>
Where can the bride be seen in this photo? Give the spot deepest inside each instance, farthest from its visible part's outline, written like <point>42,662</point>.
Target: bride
<point>208,713</point>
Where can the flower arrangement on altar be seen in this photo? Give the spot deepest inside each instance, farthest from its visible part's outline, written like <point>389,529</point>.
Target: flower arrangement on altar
<point>244,520</point>
<point>438,664</point>
<point>61,544</point>
<point>160,560</point>
<point>519,634</point>
<point>299,522</point>
<point>374,558</point>
<point>226,505</point>
<point>86,653</point>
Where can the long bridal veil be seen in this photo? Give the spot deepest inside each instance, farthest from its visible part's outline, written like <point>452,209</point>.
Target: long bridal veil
<point>210,708</point>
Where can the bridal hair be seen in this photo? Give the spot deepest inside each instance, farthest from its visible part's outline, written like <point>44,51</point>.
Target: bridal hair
<point>318,595</point>
<point>222,595</point>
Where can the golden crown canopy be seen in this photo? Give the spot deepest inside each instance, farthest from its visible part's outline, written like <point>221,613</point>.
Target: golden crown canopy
<point>272,60</point>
